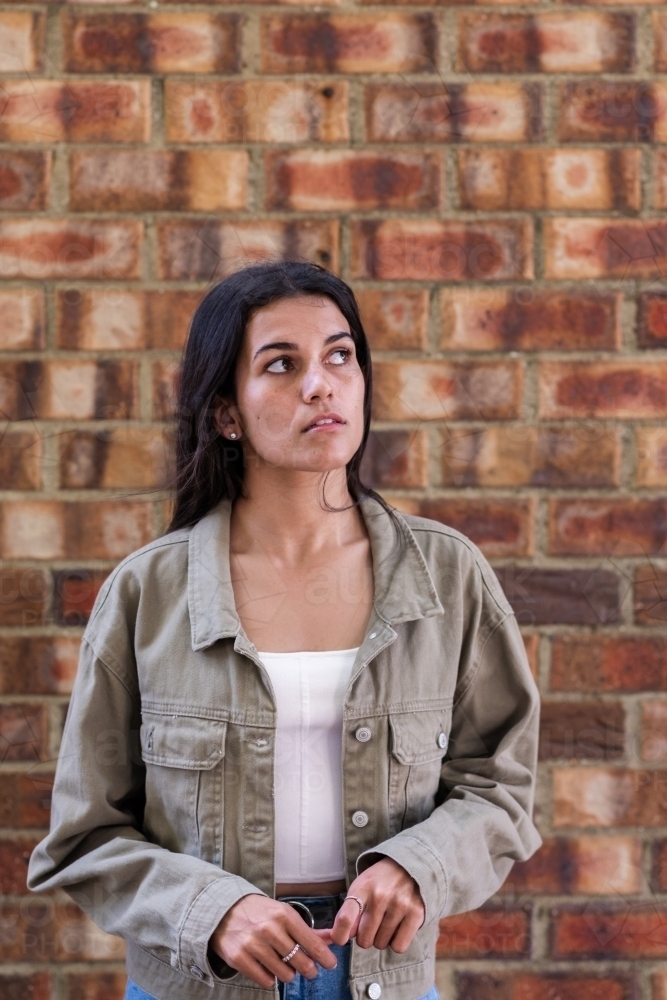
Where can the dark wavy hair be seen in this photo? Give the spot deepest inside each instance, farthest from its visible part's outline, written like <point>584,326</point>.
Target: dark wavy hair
<point>208,467</point>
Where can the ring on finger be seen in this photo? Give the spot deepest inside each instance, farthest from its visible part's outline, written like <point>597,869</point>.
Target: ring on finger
<point>359,903</point>
<point>292,953</point>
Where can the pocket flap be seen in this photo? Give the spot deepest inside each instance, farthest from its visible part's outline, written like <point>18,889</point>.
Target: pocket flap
<point>419,737</point>
<point>184,741</point>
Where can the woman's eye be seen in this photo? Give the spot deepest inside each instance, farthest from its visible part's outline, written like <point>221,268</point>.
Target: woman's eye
<point>343,354</point>
<point>279,365</point>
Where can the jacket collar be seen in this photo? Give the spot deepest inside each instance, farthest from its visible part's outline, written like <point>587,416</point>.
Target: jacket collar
<point>404,588</point>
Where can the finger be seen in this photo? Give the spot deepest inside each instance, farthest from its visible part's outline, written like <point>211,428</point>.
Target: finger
<point>370,921</point>
<point>388,927</point>
<point>324,934</point>
<point>309,940</point>
<point>254,970</point>
<point>405,932</point>
<point>346,922</point>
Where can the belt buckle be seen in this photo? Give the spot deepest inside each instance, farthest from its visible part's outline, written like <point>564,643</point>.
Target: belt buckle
<point>306,914</point>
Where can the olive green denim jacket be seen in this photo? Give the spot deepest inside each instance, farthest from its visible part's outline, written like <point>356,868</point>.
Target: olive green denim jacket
<point>163,799</point>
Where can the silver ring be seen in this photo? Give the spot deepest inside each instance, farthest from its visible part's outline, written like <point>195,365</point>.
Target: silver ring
<point>359,902</point>
<point>291,954</point>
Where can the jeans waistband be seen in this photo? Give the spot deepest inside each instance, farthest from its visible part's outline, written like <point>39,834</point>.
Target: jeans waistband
<point>322,908</point>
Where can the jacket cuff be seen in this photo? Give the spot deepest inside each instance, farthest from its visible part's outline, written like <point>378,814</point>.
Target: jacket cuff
<point>421,863</point>
<point>203,916</point>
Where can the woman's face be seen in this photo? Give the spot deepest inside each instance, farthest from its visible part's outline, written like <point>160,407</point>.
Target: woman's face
<point>300,390</point>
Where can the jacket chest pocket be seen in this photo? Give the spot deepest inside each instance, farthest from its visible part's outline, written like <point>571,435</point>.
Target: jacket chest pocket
<point>184,758</point>
<point>418,743</point>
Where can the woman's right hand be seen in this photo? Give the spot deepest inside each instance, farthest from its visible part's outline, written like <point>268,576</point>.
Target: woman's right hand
<point>257,931</point>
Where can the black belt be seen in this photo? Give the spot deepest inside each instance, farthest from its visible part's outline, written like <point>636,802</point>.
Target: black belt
<point>318,912</point>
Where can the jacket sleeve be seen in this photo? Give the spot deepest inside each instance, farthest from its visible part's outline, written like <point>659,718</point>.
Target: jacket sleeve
<point>462,853</point>
<point>96,850</point>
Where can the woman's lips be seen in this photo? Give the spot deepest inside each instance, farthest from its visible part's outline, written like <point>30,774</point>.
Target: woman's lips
<point>327,422</point>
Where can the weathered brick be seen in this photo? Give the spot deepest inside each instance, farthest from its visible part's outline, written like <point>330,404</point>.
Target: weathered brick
<point>395,459</point>
<point>650,595</point>
<point>25,800</point>
<point>579,42</point>
<point>151,43</point>
<point>612,111</point>
<point>659,880</point>
<point>652,320</point>
<point>630,389</point>
<point>69,390</point>
<point>542,596</point>
<point>110,459</point>
<point>75,111</point>
<point>20,459</point>
<point>596,663</point>
<point>502,528</point>
<point>453,112</point>
<point>605,248</point>
<point>22,322</point>
<point>70,248</point>
<point>24,597</point>
<point>257,111</point>
<point>100,985</point>
<point>340,180</point>
<point>609,796</point>
<point>447,390</point>
<point>50,529</point>
<point>435,250</point>
<point>659,26</point>
<point>622,932</point>
<point>25,179</point>
<point>348,43</point>
<point>659,985</point>
<point>14,857</point>
<point>432,3</point>
<point>600,866</point>
<point>44,665</point>
<point>29,986</point>
<point>585,730</point>
<point>74,593</point>
<point>545,985</point>
<point>531,641</point>
<point>631,527</point>
<point>489,932</point>
<point>394,320</point>
<point>22,41</point>
<point>660,178</point>
<point>23,733</point>
<point>523,319</point>
<point>165,375</point>
<point>653,733</point>
<point>195,250</point>
<point>66,934</point>
<point>190,180</point>
<point>113,319</point>
<point>533,179</point>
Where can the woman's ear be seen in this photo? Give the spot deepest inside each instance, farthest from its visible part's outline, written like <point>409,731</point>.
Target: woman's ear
<point>227,419</point>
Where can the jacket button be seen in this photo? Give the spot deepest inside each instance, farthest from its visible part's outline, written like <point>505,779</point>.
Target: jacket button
<point>374,991</point>
<point>196,972</point>
<point>360,818</point>
<point>442,741</point>
<point>363,734</point>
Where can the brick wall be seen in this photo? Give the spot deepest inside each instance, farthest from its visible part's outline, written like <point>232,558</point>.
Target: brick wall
<point>492,181</point>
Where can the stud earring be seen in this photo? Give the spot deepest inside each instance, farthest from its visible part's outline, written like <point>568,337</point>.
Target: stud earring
<point>232,435</point>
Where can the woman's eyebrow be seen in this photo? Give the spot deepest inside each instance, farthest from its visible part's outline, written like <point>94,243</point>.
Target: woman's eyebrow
<point>286,345</point>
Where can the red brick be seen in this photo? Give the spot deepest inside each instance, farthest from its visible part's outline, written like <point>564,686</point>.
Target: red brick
<point>50,529</point>
<point>544,596</point>
<point>659,40</point>
<point>432,3</point>
<point>605,527</point>
<point>75,111</point>
<point>347,43</point>
<point>208,250</point>
<point>453,112</point>
<point>151,43</point>
<point>609,796</point>
<point>21,41</point>
<point>523,319</point>
<point>651,456</point>
<point>65,934</point>
<point>24,597</point>
<point>23,733</point>
<point>612,3</point>
<point>129,181</point>
<point>25,800</point>
<point>599,866</point>
<point>502,528</point>
<point>605,248</point>
<point>659,985</point>
<point>531,642</point>
<point>96,985</point>
<point>612,111</point>
<point>629,390</point>
<point>74,594</point>
<point>395,459</point>
<point>584,730</point>
<point>653,741</point>
<point>257,111</point>
<point>69,390</point>
<point>395,320</point>
<point>631,931</point>
<point>601,179</point>
<point>29,986</point>
<point>491,932</point>
<point>659,879</point>
<point>542,985</point>
<point>650,595</point>
<point>652,323</point>
<point>22,321</point>
<point>111,459</point>
<point>660,179</point>
<point>114,319</point>
<point>599,663</point>
<point>20,460</point>
<point>14,857</point>
<point>165,375</point>
<point>549,43</point>
<point>25,178</point>
<point>333,180</point>
<point>42,665</point>
<point>447,390</point>
<point>70,248</point>
<point>435,250</point>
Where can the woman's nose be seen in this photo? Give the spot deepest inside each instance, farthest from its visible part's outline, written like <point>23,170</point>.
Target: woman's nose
<point>315,383</point>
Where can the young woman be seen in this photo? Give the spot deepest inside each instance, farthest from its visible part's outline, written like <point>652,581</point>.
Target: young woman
<point>303,727</point>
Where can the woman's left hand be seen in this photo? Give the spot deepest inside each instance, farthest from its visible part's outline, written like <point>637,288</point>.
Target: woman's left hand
<point>393,909</point>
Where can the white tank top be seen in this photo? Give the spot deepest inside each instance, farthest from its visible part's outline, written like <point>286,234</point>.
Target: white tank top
<point>309,690</point>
